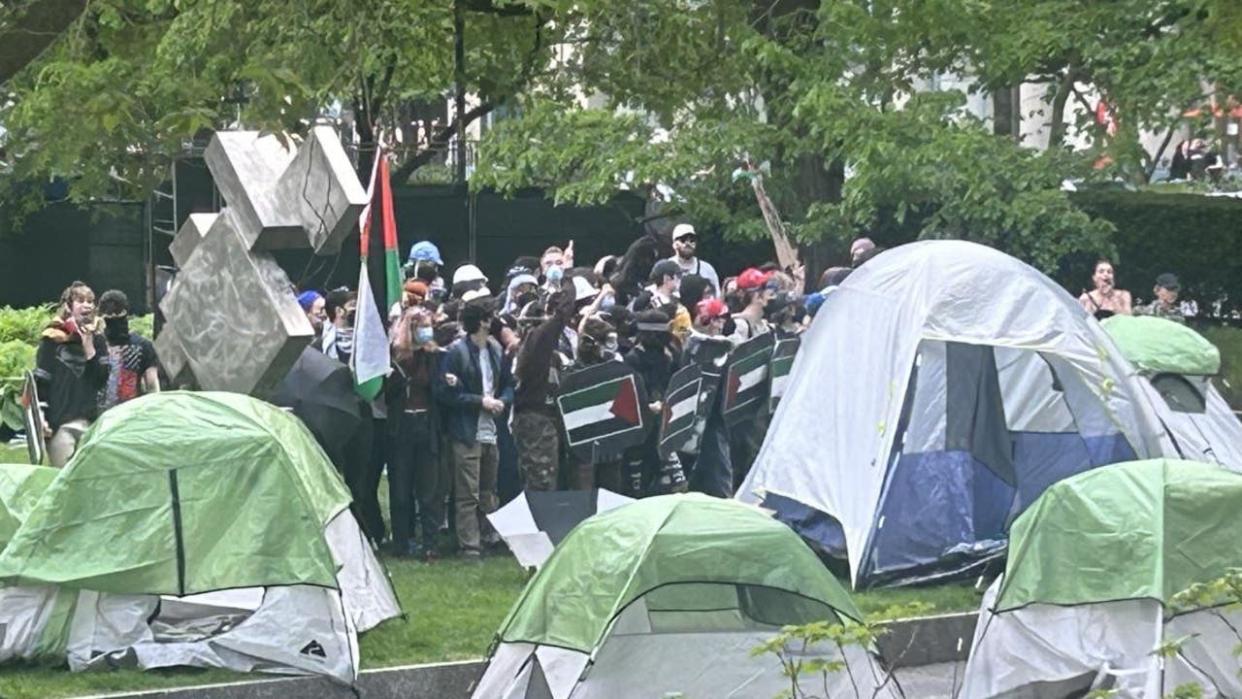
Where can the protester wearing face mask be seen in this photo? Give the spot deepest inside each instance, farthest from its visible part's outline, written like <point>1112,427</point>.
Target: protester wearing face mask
<point>474,385</point>
<point>415,470</point>
<point>341,306</point>
<point>552,265</point>
<point>654,360</point>
<point>595,336</point>
<point>71,367</point>
<point>133,370</point>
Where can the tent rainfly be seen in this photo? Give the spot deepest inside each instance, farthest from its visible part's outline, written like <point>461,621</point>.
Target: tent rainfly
<point>200,529</point>
<point>1090,597</point>
<point>1176,366</point>
<point>670,595</point>
<point>939,391</point>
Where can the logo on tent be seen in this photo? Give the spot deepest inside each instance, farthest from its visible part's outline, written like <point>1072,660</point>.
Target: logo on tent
<point>313,648</point>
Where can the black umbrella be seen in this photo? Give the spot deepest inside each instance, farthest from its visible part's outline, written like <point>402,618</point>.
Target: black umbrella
<point>320,391</point>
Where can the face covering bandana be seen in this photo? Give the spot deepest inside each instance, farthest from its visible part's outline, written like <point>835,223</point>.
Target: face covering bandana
<point>117,330</point>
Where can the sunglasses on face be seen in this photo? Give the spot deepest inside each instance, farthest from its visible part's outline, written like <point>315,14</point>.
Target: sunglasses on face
<point>691,239</point>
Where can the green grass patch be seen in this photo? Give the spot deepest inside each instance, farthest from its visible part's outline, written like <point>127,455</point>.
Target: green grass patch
<point>1229,341</point>
<point>453,610</point>
<point>13,454</point>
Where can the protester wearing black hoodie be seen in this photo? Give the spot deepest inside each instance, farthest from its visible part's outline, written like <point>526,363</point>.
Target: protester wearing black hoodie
<point>654,360</point>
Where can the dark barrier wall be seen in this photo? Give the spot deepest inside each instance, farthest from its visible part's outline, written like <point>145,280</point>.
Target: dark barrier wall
<point>101,244</point>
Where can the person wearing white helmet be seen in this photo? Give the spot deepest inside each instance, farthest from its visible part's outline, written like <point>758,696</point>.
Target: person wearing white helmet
<point>468,277</point>
<point>685,247</point>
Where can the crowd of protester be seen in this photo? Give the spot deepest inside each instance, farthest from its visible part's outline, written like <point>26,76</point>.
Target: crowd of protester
<point>467,418</point>
<point>468,415</point>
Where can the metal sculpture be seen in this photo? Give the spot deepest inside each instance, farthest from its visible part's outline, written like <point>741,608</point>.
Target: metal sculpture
<point>233,323</point>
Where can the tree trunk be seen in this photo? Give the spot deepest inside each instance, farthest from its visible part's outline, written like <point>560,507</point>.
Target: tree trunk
<point>1007,112</point>
<point>1056,130</point>
<point>820,182</point>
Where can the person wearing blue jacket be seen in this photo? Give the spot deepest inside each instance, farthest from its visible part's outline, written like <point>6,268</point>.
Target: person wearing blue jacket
<point>475,387</point>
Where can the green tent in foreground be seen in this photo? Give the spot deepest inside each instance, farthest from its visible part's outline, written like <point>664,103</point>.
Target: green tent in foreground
<point>1145,529</point>
<point>20,488</point>
<point>669,594</point>
<point>193,529</point>
<point>180,493</point>
<point>1088,593</point>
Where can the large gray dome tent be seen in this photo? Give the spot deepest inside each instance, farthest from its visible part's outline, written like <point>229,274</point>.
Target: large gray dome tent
<point>939,391</point>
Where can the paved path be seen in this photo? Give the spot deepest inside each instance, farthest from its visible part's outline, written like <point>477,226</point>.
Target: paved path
<point>931,681</point>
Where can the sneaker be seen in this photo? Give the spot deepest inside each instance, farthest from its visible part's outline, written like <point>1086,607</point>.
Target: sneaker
<point>472,556</point>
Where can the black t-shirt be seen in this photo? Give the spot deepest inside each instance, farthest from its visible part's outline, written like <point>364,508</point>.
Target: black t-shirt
<point>127,362</point>
<point>68,382</point>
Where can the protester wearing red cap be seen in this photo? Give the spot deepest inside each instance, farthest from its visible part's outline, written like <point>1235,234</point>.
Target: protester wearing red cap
<point>756,291</point>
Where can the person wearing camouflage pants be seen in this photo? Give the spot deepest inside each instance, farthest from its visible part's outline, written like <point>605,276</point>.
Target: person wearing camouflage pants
<point>538,446</point>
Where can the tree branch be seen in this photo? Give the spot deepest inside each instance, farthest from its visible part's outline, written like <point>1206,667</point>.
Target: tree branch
<point>28,29</point>
<point>440,140</point>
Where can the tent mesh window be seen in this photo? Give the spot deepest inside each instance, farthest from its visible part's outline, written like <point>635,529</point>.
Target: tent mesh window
<point>706,607</point>
<point>1179,393</point>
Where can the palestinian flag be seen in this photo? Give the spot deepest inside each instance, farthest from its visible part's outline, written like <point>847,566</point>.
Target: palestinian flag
<point>682,404</point>
<point>370,361</point>
<point>602,408</point>
<point>782,363</point>
<point>745,378</point>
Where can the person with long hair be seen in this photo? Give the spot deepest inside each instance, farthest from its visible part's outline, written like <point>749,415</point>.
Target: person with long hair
<point>1105,299</point>
<point>71,366</point>
<point>415,471</point>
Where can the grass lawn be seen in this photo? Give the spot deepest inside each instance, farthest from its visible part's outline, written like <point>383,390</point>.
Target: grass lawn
<point>453,610</point>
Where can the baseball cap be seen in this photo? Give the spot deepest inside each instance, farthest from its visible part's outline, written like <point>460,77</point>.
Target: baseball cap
<point>468,273</point>
<point>752,279</point>
<point>665,268</point>
<point>682,230</point>
<point>425,250</point>
<point>710,309</point>
<point>1168,280</point>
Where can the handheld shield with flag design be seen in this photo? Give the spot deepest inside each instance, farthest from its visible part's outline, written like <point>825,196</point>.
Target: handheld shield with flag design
<point>683,402</point>
<point>746,379</point>
<point>602,409</point>
<point>782,363</point>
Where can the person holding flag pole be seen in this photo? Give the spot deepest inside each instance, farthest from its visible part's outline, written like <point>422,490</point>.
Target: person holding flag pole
<point>370,361</point>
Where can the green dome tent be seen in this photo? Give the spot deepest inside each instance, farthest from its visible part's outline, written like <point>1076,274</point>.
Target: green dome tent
<point>20,488</point>
<point>185,495</point>
<point>1088,593</point>
<point>667,594</point>
<point>1175,366</point>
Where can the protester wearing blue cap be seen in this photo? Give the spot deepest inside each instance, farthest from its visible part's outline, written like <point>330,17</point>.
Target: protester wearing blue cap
<point>312,304</point>
<point>426,251</point>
